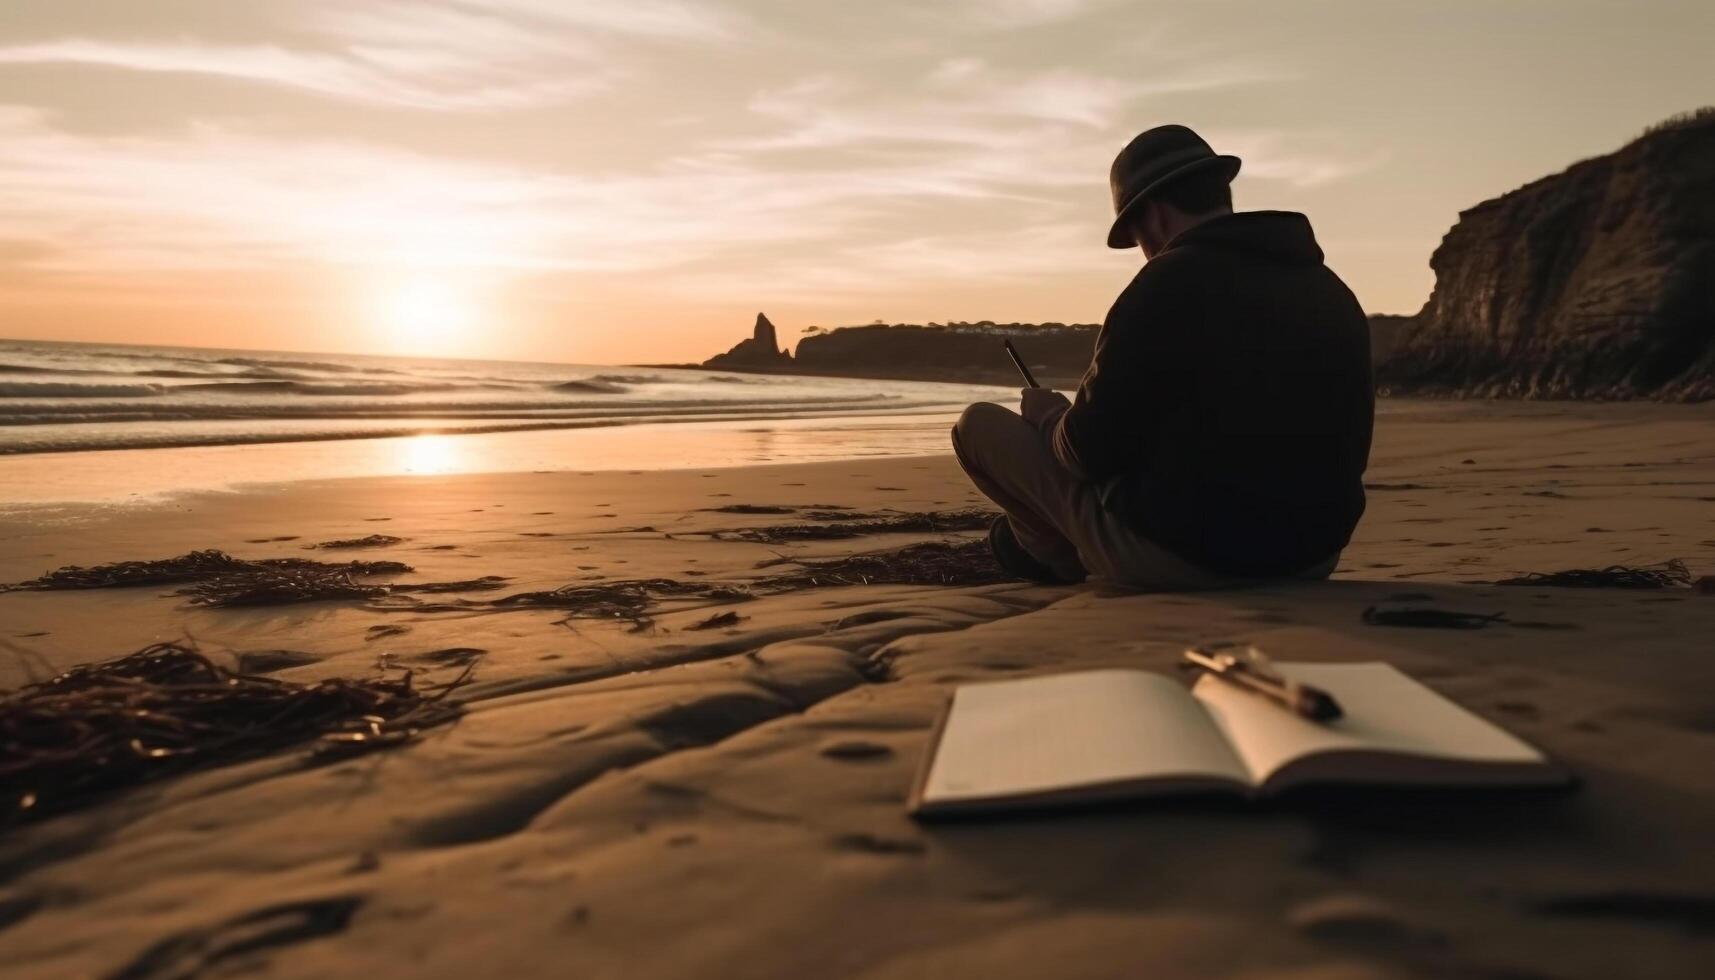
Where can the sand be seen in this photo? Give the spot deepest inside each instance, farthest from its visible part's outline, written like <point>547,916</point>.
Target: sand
<point>729,802</point>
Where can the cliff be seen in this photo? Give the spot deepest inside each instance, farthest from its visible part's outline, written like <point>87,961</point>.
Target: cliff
<point>760,350</point>
<point>1597,282</point>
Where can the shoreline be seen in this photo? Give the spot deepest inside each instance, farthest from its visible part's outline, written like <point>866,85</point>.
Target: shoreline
<point>112,476</point>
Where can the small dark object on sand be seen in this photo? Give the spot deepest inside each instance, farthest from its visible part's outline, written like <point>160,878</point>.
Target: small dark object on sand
<point>928,563</point>
<point>750,509</point>
<point>1663,575</point>
<point>1426,618</point>
<point>728,618</point>
<point>167,709</point>
<point>369,541</point>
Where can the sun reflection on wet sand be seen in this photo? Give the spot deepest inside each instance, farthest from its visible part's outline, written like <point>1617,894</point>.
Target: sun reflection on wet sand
<point>115,476</point>
<point>428,455</point>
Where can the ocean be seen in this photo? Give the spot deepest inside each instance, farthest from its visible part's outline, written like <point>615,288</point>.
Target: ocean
<point>89,421</point>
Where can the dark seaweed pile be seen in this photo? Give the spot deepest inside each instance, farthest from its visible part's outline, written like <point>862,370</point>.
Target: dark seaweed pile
<point>928,563</point>
<point>834,525</point>
<point>1663,575</point>
<point>215,578</point>
<point>168,709</point>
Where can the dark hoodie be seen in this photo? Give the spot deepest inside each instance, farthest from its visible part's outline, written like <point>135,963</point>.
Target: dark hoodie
<point>1230,395</point>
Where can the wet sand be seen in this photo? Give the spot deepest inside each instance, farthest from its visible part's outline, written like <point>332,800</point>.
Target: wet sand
<point>729,801</point>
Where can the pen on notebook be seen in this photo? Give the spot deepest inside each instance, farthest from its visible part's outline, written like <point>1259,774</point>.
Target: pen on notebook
<point>1300,699</point>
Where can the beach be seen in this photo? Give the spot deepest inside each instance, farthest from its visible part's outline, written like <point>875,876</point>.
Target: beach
<point>712,795</point>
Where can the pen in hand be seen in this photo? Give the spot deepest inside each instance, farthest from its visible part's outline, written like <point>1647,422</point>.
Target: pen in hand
<point>1018,362</point>
<point>1253,674</point>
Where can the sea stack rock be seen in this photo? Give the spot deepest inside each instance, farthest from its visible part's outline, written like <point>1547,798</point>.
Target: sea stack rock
<point>1597,282</point>
<point>762,349</point>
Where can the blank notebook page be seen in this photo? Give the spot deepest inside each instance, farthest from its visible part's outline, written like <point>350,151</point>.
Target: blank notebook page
<point>1384,711</point>
<point>1070,730</point>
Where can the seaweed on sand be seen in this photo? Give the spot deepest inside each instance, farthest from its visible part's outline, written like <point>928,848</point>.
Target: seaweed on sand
<point>214,578</point>
<point>1662,575</point>
<point>278,587</point>
<point>195,566</point>
<point>926,563</point>
<point>367,541</point>
<point>860,525</point>
<point>484,584</point>
<point>168,709</point>
<point>631,600</point>
<point>717,621</point>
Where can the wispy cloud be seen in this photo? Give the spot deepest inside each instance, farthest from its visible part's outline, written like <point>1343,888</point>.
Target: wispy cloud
<point>1024,13</point>
<point>435,55</point>
<point>381,75</point>
<point>1301,160</point>
<point>676,149</point>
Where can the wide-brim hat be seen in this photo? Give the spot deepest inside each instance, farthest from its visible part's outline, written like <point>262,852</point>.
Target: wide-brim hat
<point>1158,157</point>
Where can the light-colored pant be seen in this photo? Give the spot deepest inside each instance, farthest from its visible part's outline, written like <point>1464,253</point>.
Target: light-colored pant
<point>1061,519</point>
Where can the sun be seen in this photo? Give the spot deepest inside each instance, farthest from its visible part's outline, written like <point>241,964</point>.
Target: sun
<point>426,315</point>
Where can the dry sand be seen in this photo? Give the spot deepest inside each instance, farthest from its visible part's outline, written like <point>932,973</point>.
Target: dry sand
<point>729,803</point>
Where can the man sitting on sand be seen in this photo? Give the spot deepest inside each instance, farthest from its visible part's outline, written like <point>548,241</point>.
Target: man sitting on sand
<point>1221,431</point>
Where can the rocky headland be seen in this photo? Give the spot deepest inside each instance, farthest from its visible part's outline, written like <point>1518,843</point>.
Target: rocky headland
<point>960,352</point>
<point>760,351</point>
<point>1597,282</point>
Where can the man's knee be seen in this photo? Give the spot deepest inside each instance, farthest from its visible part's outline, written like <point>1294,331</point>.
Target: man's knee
<point>979,422</point>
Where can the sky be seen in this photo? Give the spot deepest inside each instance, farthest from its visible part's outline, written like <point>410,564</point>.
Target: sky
<point>623,181</point>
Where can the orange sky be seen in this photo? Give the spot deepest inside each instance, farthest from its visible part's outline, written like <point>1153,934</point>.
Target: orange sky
<point>631,180</point>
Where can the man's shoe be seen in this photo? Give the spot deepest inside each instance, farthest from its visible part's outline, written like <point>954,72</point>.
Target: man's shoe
<point>1014,560</point>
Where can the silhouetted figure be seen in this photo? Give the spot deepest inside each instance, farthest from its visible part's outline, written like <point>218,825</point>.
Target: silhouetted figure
<point>1221,431</point>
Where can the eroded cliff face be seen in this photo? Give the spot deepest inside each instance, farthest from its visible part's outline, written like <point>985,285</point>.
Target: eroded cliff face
<point>1598,282</point>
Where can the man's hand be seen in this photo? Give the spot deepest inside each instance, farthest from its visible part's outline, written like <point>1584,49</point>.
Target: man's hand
<point>1041,407</point>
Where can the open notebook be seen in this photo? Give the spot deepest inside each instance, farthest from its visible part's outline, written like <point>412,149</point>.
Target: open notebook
<point>1106,734</point>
